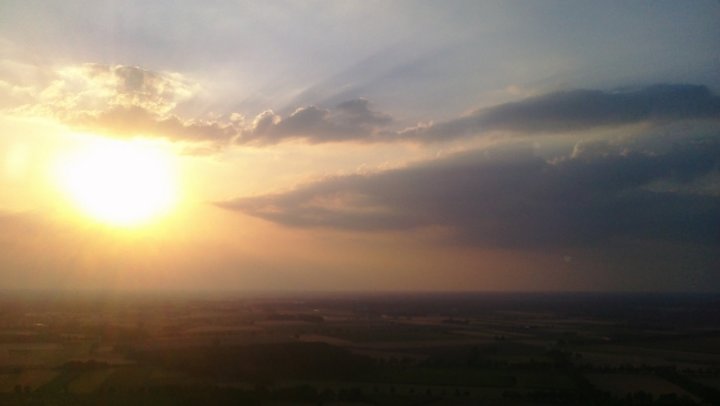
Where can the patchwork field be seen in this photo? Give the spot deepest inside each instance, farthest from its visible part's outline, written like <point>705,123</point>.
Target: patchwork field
<point>424,349</point>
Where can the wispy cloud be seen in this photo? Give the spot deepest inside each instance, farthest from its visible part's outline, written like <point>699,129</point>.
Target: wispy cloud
<point>96,87</point>
<point>121,100</point>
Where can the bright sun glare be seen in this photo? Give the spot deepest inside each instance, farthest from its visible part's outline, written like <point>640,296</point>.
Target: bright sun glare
<point>119,183</point>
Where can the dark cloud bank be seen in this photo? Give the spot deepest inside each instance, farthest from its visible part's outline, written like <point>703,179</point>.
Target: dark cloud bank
<point>512,198</point>
<point>580,110</point>
<point>642,187</point>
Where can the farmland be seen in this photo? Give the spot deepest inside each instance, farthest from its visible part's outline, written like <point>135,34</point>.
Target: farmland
<point>275,349</point>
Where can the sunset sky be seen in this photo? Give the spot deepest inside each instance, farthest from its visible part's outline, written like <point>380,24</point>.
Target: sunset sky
<point>360,145</point>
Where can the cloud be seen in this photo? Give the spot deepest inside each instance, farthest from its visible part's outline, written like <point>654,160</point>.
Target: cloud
<point>135,120</point>
<point>121,100</point>
<point>578,110</point>
<point>349,120</point>
<point>510,197</point>
<point>96,87</point>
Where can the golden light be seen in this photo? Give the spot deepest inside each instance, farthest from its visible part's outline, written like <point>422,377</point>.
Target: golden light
<point>119,183</point>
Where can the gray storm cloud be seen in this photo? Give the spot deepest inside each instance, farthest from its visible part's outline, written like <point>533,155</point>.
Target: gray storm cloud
<point>512,198</point>
<point>578,110</point>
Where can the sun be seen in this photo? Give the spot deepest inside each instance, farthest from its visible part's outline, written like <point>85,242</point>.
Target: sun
<point>119,183</point>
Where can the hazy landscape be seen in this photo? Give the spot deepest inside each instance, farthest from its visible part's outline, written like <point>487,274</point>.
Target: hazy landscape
<point>364,349</point>
<point>359,202</point>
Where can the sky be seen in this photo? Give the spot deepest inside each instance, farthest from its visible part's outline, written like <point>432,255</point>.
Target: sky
<point>360,145</point>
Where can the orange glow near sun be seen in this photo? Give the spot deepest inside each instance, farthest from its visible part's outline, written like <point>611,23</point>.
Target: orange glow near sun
<point>119,183</point>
